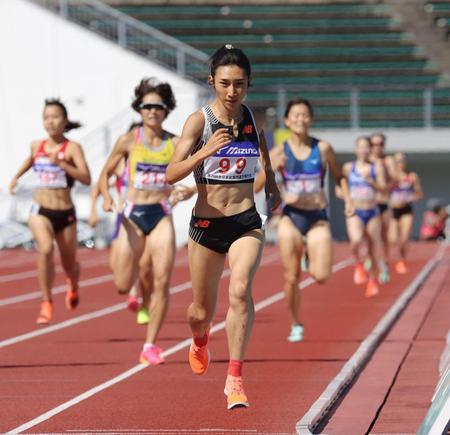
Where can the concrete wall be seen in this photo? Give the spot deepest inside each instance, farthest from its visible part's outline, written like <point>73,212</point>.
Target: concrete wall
<point>44,56</point>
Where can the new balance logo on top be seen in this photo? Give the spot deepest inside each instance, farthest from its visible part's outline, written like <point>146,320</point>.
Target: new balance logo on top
<point>202,223</point>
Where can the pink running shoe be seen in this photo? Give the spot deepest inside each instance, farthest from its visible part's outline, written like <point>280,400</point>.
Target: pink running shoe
<point>372,288</point>
<point>132,303</point>
<point>152,356</point>
<point>360,274</point>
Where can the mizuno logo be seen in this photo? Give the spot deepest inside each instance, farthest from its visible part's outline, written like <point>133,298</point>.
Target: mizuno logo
<point>237,150</point>
<point>138,213</point>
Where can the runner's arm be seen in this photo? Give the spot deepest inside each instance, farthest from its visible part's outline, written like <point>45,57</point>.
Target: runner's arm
<point>119,152</point>
<point>417,185</point>
<point>340,176</point>
<point>182,163</point>
<point>24,167</point>
<point>271,188</point>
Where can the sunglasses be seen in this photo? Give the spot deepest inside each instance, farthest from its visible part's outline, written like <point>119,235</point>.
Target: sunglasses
<point>150,106</point>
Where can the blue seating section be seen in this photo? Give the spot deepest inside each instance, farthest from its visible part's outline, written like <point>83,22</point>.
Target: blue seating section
<point>320,51</point>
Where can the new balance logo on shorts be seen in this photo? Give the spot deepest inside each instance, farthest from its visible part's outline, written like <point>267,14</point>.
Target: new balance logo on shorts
<point>202,223</point>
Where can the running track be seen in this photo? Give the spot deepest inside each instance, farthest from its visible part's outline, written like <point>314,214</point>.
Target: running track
<point>45,367</point>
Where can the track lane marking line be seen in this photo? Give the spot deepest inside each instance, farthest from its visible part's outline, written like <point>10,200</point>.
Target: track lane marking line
<point>33,273</point>
<point>138,368</point>
<point>106,311</point>
<point>62,288</point>
<point>56,290</point>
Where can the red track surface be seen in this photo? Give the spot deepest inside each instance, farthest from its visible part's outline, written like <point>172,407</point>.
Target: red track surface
<point>282,379</point>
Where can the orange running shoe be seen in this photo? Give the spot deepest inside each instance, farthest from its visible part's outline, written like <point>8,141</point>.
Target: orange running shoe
<point>72,297</point>
<point>400,267</point>
<point>360,274</point>
<point>234,390</point>
<point>45,315</point>
<point>199,357</point>
<point>372,288</point>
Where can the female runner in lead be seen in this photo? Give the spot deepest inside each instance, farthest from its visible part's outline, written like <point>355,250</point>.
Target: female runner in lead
<point>221,145</point>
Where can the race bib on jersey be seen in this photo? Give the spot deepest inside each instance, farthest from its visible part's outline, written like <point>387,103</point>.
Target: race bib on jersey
<point>49,175</point>
<point>363,192</point>
<point>402,196</point>
<point>149,176</point>
<point>234,163</point>
<point>301,184</point>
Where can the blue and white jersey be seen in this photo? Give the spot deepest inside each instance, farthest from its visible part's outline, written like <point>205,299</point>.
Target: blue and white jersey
<point>303,177</point>
<point>234,163</point>
<point>359,187</point>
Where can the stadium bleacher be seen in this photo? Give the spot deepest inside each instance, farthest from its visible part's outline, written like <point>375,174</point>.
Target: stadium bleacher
<point>439,12</point>
<point>322,50</point>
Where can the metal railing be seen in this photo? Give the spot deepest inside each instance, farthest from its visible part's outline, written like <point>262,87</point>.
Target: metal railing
<point>354,106</point>
<point>133,35</point>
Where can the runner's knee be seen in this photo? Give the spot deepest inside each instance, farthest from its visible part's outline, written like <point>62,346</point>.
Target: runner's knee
<point>121,286</point>
<point>320,276</point>
<point>239,294</point>
<point>291,278</point>
<point>45,249</point>
<point>198,314</point>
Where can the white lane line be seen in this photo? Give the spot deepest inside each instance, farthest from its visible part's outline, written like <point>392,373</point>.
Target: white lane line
<point>56,290</point>
<point>60,289</point>
<point>321,407</point>
<point>138,368</point>
<point>106,311</point>
<point>101,261</point>
<point>33,273</point>
<point>167,431</point>
<point>62,325</point>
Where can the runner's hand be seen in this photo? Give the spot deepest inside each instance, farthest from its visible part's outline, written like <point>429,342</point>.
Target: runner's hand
<point>108,204</point>
<point>13,186</point>
<point>183,192</point>
<point>349,209</point>
<point>218,140</point>
<point>273,196</point>
<point>173,198</point>
<point>278,160</point>
<point>93,220</point>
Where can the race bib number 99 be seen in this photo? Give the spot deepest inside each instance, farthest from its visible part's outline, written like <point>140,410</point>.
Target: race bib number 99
<point>150,176</point>
<point>235,162</point>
